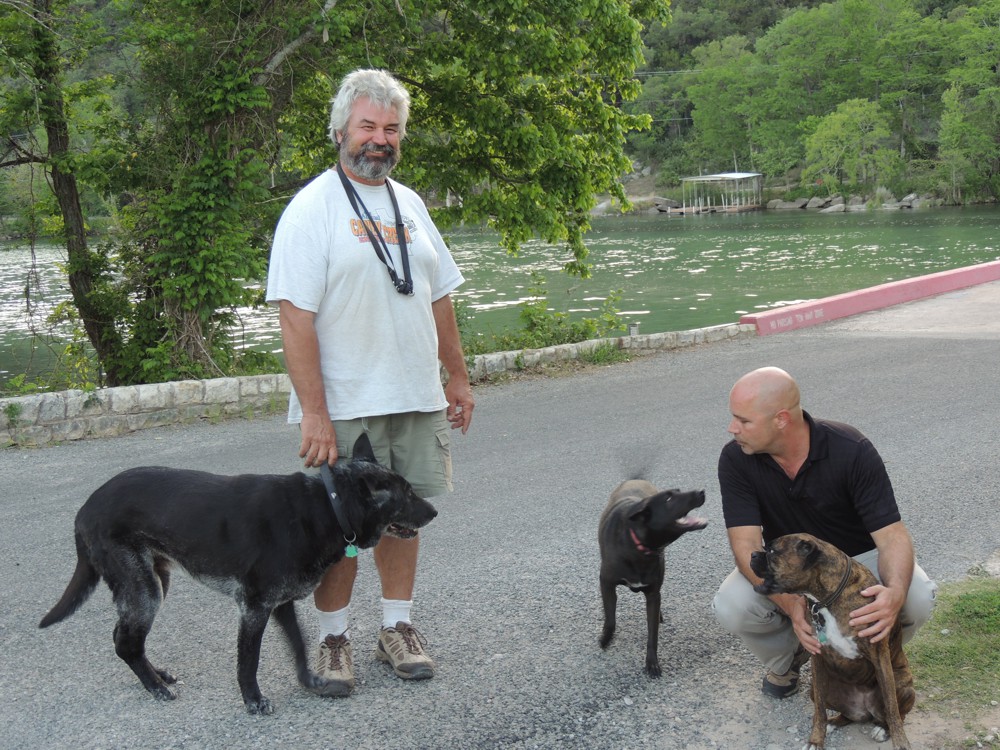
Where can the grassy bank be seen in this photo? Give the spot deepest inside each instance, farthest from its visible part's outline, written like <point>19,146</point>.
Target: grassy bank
<point>955,660</point>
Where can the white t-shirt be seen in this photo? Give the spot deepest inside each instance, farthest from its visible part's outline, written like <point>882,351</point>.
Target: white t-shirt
<point>378,348</point>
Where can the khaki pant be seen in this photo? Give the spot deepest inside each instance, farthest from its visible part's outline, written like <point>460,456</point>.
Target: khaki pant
<point>416,445</point>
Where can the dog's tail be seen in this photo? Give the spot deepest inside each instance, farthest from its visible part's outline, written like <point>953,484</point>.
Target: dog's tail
<point>81,586</point>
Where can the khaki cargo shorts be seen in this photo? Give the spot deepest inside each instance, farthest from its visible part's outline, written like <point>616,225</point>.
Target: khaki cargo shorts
<point>415,444</point>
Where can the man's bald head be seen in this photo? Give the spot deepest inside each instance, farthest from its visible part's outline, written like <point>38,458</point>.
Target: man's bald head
<point>767,416</point>
<point>769,389</point>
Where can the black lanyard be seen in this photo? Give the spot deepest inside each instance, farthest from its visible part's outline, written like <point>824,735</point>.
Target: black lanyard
<point>404,285</point>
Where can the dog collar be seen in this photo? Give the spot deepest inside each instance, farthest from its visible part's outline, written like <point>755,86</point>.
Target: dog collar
<point>638,543</point>
<point>819,622</point>
<point>338,510</point>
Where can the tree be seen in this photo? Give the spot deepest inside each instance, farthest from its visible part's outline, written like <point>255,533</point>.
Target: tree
<point>809,63</point>
<point>663,99</point>
<point>850,146</point>
<point>516,121</point>
<point>904,69</point>
<point>970,126</point>
<point>719,93</point>
<point>36,130</point>
<point>961,144</point>
<point>518,109</point>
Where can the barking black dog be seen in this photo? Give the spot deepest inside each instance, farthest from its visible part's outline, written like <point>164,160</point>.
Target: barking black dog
<point>635,527</point>
<point>265,540</point>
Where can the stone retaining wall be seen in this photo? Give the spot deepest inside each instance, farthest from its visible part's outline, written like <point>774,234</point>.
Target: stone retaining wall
<point>497,362</point>
<point>106,412</point>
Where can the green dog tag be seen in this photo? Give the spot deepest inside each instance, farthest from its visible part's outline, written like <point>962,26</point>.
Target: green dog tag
<point>351,551</point>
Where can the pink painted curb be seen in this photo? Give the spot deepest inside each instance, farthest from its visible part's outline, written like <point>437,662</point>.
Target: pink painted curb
<point>818,311</point>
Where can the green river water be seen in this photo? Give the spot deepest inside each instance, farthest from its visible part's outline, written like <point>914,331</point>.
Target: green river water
<point>673,273</point>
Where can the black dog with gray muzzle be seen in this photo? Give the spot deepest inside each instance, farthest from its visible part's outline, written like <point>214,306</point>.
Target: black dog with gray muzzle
<point>265,540</point>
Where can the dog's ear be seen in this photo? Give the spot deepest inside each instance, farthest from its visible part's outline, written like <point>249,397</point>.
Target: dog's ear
<point>363,449</point>
<point>641,509</point>
<point>809,553</point>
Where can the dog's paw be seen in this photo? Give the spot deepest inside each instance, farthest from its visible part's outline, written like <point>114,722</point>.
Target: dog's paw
<point>260,707</point>
<point>605,640</point>
<point>653,668</point>
<point>811,745</point>
<point>166,676</point>
<point>880,734</point>
<point>163,693</point>
<point>327,688</point>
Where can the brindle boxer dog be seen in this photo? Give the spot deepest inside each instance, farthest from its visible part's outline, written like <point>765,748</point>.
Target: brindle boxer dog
<point>864,681</point>
<point>638,522</point>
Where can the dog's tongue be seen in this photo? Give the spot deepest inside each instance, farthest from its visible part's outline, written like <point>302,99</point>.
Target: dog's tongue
<point>692,522</point>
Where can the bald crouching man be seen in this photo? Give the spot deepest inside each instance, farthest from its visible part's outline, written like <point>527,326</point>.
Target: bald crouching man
<point>785,472</point>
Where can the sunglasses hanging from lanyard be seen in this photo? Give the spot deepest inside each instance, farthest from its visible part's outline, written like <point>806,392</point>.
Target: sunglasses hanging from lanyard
<point>404,285</point>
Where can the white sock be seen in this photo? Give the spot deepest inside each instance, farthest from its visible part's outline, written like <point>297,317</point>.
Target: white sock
<point>334,623</point>
<point>395,610</point>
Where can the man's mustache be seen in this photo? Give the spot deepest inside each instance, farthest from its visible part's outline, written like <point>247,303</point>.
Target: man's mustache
<point>373,148</point>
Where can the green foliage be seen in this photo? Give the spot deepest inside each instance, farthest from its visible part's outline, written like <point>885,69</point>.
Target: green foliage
<point>970,127</point>
<point>12,411</point>
<point>253,362</point>
<point>850,145</point>
<point>541,326</point>
<point>758,79</point>
<point>514,120</point>
<point>76,366</point>
<point>193,122</point>
<point>720,96</point>
<point>664,100</point>
<point>605,353</point>
<point>74,363</point>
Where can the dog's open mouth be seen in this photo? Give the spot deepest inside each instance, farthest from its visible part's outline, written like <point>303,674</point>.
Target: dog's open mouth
<point>400,531</point>
<point>691,523</point>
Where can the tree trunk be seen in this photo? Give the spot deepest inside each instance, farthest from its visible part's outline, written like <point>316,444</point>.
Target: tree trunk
<point>100,330</point>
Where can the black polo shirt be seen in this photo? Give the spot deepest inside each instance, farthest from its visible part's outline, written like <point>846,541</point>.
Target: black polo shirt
<point>841,494</point>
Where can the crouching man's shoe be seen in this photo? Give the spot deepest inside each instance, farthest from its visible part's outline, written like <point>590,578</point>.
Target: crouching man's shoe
<point>787,684</point>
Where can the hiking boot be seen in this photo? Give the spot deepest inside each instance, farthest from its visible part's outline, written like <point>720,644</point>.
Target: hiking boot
<point>402,648</point>
<point>787,684</point>
<point>335,664</point>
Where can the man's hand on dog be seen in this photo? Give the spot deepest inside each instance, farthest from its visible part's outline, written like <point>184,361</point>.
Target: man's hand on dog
<point>880,614</point>
<point>319,440</point>
<point>797,610</point>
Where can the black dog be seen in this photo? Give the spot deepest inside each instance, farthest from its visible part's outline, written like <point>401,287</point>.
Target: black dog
<point>637,524</point>
<point>264,540</point>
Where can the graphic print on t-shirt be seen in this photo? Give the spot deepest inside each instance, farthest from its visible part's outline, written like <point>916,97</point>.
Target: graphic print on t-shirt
<point>386,227</point>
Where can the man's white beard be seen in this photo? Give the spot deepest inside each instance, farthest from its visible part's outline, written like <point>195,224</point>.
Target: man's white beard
<point>367,168</point>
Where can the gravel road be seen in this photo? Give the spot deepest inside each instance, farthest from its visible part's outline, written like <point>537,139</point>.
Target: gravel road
<point>507,590</point>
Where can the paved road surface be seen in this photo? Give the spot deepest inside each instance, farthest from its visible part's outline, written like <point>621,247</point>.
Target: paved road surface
<point>508,594</point>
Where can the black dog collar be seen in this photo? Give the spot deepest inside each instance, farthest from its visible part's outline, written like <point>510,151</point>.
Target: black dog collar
<point>819,622</point>
<point>338,510</point>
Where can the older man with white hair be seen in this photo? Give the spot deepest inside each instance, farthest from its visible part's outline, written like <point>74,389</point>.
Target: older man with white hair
<point>362,280</point>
